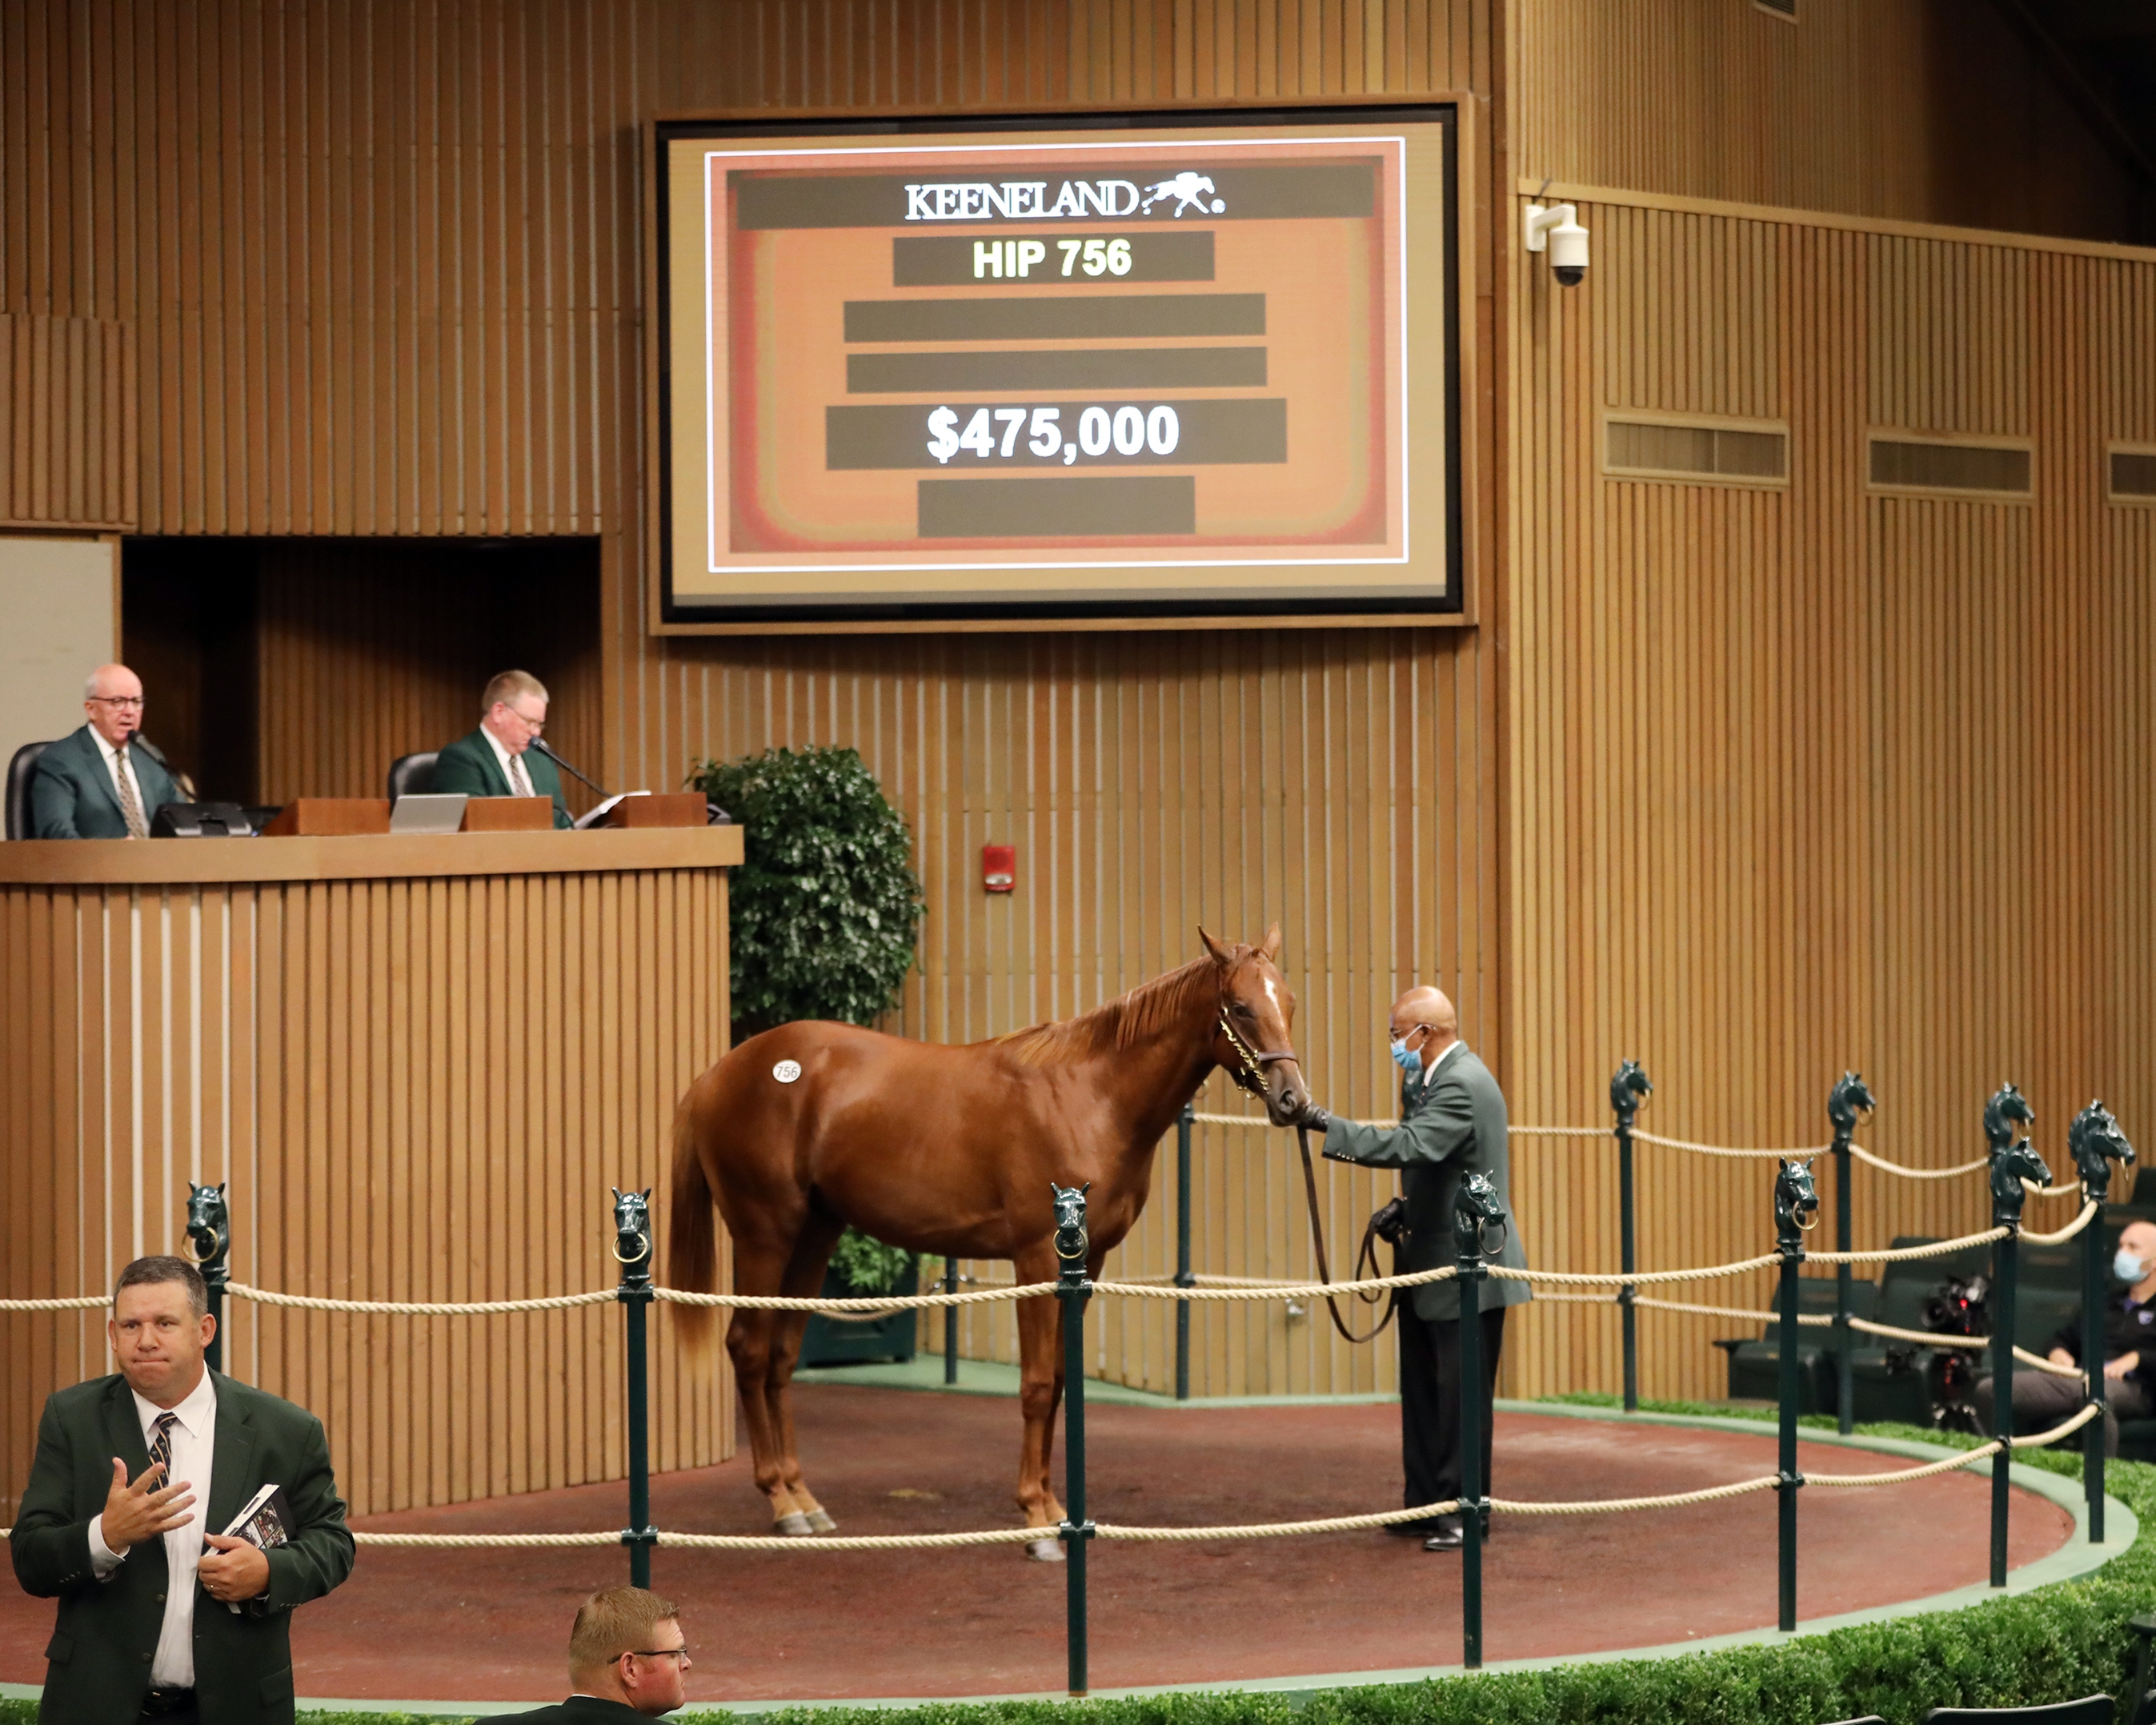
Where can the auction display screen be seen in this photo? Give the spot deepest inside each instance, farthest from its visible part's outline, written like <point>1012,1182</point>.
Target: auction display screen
<point>1194,369</point>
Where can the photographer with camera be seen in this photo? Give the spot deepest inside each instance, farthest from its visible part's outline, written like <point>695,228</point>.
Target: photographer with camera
<point>2041,1400</point>
<point>1452,1124</point>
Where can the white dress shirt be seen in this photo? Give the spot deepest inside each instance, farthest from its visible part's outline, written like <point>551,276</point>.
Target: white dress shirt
<point>502,758</point>
<point>114,767</point>
<point>1429,1072</point>
<point>194,1442</point>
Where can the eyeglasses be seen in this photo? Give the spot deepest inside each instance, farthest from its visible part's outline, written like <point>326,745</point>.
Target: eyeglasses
<point>680,1652</point>
<point>119,700</point>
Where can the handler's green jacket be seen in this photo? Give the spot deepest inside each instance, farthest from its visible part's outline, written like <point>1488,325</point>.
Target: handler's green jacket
<point>468,765</point>
<point>1452,1124</point>
<point>71,794</point>
<point>98,1661</point>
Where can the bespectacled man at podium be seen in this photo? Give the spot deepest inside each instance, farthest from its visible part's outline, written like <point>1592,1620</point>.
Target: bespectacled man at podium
<point>497,760</point>
<point>102,781</point>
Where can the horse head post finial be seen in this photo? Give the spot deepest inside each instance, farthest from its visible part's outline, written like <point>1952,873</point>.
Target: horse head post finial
<point>2096,1143</point>
<point>1850,1101</point>
<point>1476,1209</point>
<point>1796,1204</point>
<point>1071,1244</point>
<point>632,1237</point>
<point>210,1232</point>
<point>2013,1160</point>
<point>1628,1091</point>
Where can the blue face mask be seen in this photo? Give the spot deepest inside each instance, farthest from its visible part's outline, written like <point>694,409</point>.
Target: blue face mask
<point>2126,1267</point>
<point>1405,1058</point>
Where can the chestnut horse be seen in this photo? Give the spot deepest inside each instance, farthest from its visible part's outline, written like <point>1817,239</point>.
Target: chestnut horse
<point>952,1150</point>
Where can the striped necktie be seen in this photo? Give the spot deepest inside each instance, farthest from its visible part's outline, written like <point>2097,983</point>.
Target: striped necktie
<point>131,804</point>
<point>519,782</point>
<point>161,1445</point>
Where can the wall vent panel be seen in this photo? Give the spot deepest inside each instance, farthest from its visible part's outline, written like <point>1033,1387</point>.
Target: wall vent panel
<point>1702,449</point>
<point>2133,476</point>
<point>1914,464</point>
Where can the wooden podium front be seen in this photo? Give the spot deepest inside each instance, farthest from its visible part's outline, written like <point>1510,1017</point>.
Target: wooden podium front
<point>421,1063</point>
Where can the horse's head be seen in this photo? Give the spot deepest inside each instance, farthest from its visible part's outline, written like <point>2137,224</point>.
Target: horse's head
<point>2010,1165</point>
<point>632,1227</point>
<point>1850,1101</point>
<point>209,1223</point>
<point>1629,1090</point>
<point>2097,1143</point>
<point>1796,1202</point>
<point>1255,1041</point>
<point>1070,1242</point>
<point>1477,1208</point>
<point>2007,1109</point>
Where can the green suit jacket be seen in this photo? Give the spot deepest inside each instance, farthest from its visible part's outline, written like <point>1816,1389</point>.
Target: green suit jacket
<point>71,794</point>
<point>98,1661</point>
<point>1452,1124</point>
<point>468,765</point>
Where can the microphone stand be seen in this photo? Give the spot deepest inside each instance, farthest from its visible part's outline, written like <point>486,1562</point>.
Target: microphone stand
<point>539,744</point>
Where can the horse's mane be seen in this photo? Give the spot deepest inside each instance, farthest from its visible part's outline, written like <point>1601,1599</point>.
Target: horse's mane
<point>1128,1021</point>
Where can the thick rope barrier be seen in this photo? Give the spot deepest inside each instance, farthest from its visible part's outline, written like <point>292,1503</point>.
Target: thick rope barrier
<point>1908,1254</point>
<point>414,1308</point>
<point>882,1304</point>
<point>1638,1278</point>
<point>1907,1173</point>
<point>72,1303</point>
<point>2059,1236</point>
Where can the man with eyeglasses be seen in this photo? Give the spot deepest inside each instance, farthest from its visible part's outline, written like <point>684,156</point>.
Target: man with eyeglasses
<point>497,760</point>
<point>627,1661</point>
<point>103,781</point>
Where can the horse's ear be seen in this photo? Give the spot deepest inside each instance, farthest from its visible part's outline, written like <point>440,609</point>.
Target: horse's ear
<point>1221,956</point>
<point>1270,945</point>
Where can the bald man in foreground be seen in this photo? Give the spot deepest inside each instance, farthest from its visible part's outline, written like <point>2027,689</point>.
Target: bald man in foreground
<point>102,781</point>
<point>1452,1124</point>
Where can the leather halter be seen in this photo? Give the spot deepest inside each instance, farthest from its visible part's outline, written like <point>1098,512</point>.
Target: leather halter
<point>1248,1071</point>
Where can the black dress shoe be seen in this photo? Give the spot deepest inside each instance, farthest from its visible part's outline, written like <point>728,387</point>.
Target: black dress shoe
<point>1448,1535</point>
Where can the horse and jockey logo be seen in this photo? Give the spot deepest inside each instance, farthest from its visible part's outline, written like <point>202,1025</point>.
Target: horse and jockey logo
<point>1190,189</point>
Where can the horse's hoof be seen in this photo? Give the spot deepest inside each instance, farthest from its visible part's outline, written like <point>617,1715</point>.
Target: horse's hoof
<point>819,1521</point>
<point>1045,1551</point>
<point>794,1527</point>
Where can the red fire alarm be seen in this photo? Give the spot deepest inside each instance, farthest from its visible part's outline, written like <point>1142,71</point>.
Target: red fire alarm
<point>999,867</point>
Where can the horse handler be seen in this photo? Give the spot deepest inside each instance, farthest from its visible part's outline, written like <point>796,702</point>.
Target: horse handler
<point>1452,1124</point>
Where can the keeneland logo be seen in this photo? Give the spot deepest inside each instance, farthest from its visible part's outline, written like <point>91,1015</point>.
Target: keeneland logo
<point>1028,200</point>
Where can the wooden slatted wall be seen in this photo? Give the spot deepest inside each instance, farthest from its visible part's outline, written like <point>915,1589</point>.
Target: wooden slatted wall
<point>1816,778</point>
<point>379,1179</point>
<point>1922,110</point>
<point>68,426</point>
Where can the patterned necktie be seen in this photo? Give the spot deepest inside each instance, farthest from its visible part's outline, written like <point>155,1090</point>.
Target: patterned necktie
<point>160,1446</point>
<point>130,805</point>
<point>519,782</point>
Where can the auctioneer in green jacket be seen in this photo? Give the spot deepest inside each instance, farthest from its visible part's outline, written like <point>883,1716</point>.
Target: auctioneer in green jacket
<point>98,1661</point>
<point>468,765</point>
<point>1452,1124</point>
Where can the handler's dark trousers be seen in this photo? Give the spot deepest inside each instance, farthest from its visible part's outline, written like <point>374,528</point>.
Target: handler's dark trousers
<point>2042,1401</point>
<point>1430,1403</point>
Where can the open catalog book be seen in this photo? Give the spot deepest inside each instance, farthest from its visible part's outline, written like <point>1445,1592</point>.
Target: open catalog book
<point>264,1522</point>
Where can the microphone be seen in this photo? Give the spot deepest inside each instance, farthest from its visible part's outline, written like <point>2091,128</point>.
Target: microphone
<point>539,744</point>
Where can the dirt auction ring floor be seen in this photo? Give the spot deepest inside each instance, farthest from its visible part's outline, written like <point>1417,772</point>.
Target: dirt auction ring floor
<point>491,1625</point>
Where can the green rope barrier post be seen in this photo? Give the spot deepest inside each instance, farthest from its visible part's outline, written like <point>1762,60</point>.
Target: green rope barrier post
<point>1183,1123</point>
<point>2012,1161</point>
<point>1072,1289</point>
<point>210,1245</point>
<point>949,1322</point>
<point>1796,1208</point>
<point>1848,1101</point>
<point>632,1251</point>
<point>2096,1143</point>
<point>1628,1089</point>
<point>1474,1207</point>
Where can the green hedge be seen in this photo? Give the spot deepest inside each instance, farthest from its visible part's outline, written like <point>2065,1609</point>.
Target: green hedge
<point>2057,1643</point>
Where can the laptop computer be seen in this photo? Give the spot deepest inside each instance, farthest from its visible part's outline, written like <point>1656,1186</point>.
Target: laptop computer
<point>429,812</point>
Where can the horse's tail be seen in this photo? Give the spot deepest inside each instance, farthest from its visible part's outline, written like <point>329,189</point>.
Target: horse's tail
<point>692,1243</point>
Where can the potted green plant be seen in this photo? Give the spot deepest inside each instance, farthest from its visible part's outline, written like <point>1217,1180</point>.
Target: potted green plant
<point>826,908</point>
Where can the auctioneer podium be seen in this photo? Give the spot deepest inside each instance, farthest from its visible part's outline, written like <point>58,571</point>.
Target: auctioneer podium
<point>420,1063</point>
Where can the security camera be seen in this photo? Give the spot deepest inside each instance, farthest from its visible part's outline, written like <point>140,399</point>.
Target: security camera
<point>1556,229</point>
